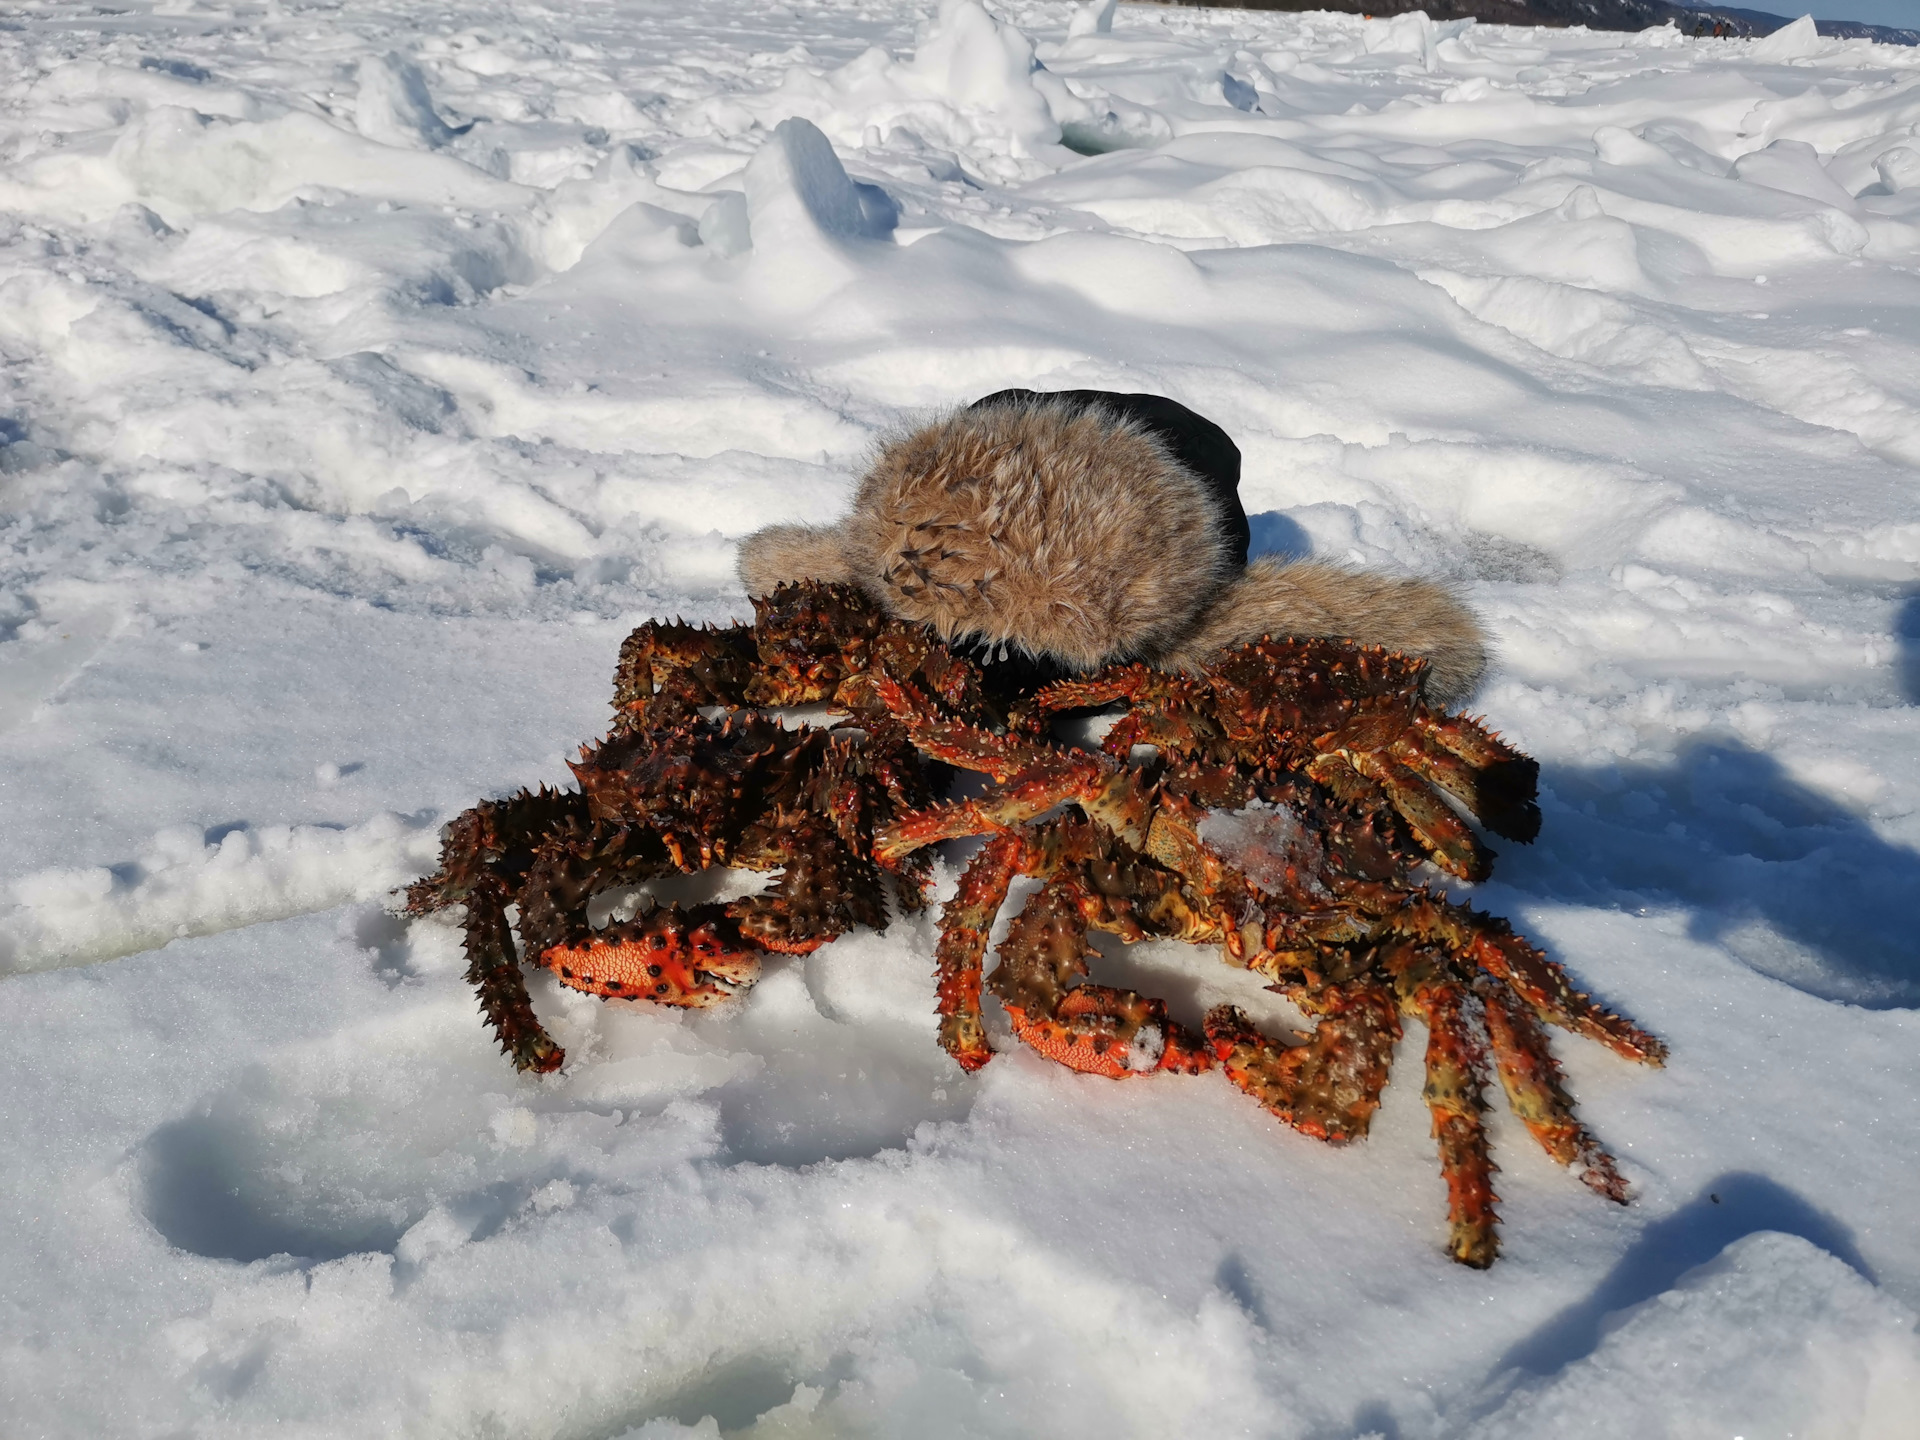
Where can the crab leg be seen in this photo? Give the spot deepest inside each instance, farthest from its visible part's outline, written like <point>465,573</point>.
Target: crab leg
<point>1490,943</point>
<point>1119,891</point>
<point>1110,794</point>
<point>570,867</point>
<point>494,972</point>
<point>970,748</point>
<point>1544,986</point>
<point>823,892</point>
<point>1441,832</point>
<point>1456,1059</point>
<point>1169,728</point>
<point>964,923</point>
<point>1094,1029</point>
<point>1454,1092</point>
<point>489,843</point>
<point>1500,796</point>
<point>958,819</point>
<point>1505,782</point>
<point>1531,1079</point>
<point>1330,1086</point>
<point>696,663</point>
<point>1123,682</point>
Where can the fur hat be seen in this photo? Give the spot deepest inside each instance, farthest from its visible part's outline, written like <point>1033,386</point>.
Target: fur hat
<point>1086,529</point>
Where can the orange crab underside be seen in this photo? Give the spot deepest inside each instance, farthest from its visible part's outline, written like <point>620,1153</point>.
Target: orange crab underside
<point>660,959</point>
<point>1098,1030</point>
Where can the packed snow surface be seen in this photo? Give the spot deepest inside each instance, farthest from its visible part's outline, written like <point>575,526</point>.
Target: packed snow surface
<point>368,370</point>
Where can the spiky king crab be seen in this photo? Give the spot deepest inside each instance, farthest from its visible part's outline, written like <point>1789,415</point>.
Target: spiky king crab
<point>1293,793</point>
<point>691,777</point>
<point>1294,789</point>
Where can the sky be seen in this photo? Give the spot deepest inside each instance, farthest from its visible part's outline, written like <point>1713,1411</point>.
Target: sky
<point>1874,12</point>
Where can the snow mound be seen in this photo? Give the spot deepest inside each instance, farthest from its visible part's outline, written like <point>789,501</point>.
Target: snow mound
<point>798,191</point>
<point>184,164</point>
<point>801,213</point>
<point>972,85</point>
<point>393,106</point>
<point>184,883</point>
<point>1414,33</point>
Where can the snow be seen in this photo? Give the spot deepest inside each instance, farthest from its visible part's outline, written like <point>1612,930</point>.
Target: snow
<point>368,370</point>
<point>1793,1338</point>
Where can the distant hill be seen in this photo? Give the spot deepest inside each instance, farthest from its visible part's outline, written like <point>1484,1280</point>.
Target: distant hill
<point>1596,14</point>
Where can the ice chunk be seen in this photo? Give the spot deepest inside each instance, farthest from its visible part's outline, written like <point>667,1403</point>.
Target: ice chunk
<point>1093,18</point>
<point>1793,166</point>
<point>798,189</point>
<point>725,228</point>
<point>972,85</point>
<point>1899,168</point>
<point>1790,42</point>
<point>802,214</point>
<point>394,106</point>
<point>1268,844</point>
<point>1411,34</point>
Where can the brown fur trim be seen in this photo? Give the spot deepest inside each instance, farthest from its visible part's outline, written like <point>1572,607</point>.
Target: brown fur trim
<point>1308,597</point>
<point>781,553</point>
<point>1072,534</point>
<point>1062,532</point>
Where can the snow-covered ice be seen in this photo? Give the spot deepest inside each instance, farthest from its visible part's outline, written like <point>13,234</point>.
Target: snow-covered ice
<point>367,370</point>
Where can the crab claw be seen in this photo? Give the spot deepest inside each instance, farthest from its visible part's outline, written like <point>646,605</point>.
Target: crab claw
<point>1327,1087</point>
<point>1098,1030</point>
<point>665,957</point>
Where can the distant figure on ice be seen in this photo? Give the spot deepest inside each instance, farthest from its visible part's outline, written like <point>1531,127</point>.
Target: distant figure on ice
<point>1080,528</point>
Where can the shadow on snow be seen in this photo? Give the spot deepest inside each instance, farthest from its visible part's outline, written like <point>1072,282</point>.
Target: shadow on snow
<point>1784,877</point>
<point>1729,1208</point>
<point>1906,630</point>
